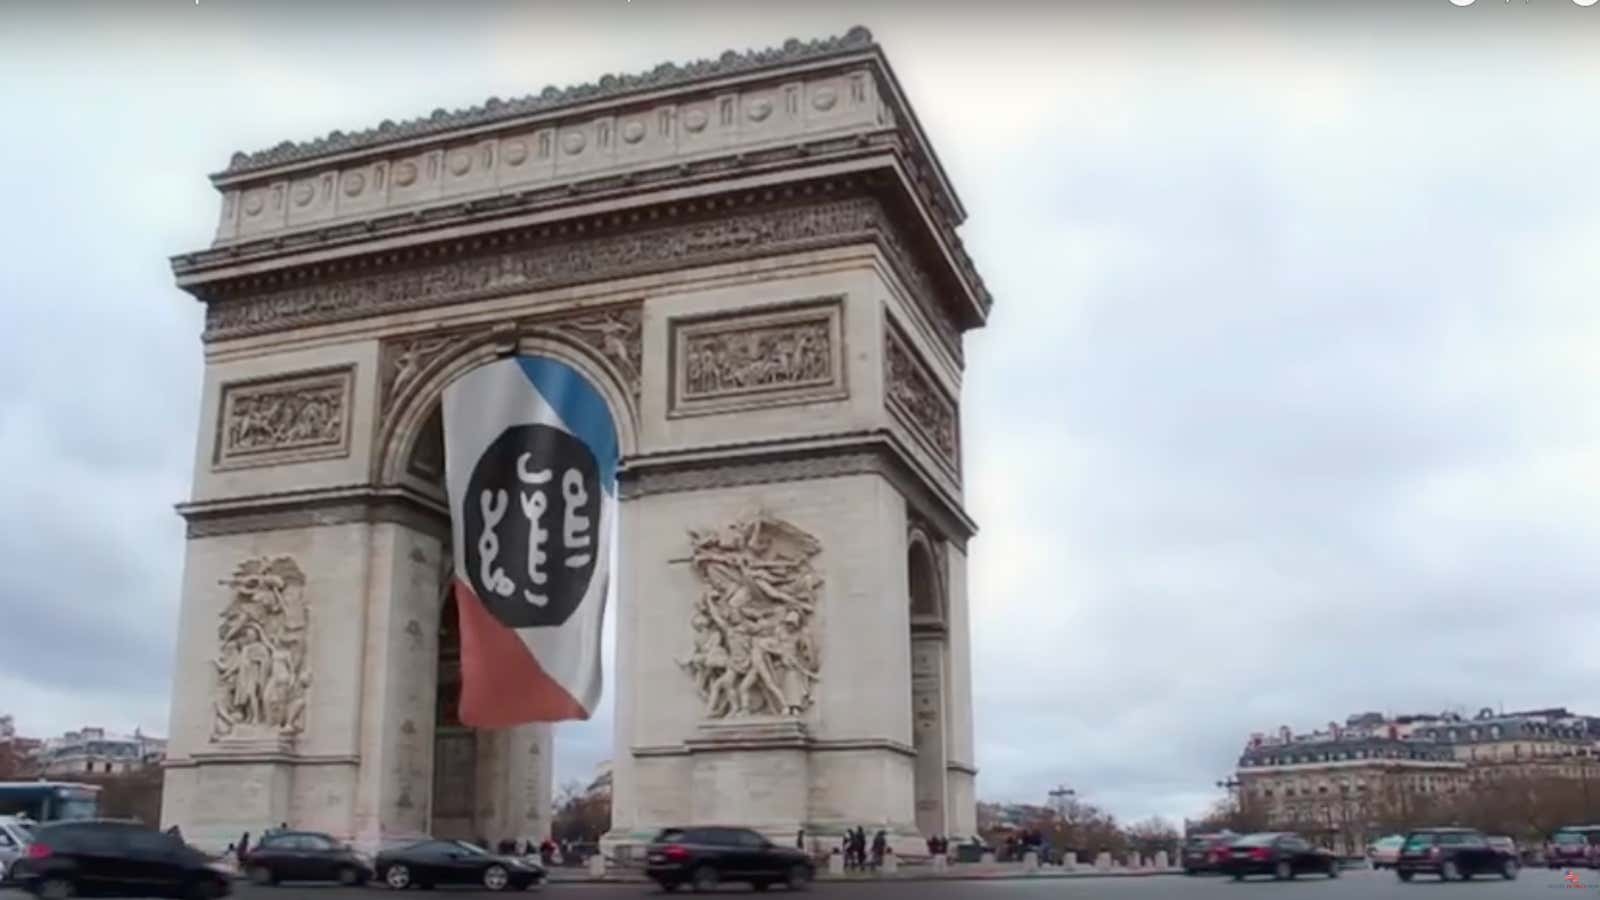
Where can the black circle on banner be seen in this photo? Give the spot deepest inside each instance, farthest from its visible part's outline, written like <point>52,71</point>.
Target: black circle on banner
<point>532,473</point>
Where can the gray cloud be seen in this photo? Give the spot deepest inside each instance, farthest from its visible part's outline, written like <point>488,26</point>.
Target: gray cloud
<point>1287,409</point>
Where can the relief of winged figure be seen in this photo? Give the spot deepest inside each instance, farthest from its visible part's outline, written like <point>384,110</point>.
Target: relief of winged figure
<point>753,649</point>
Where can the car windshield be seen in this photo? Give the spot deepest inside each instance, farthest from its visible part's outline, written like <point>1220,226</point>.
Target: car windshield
<point>1422,839</point>
<point>1569,838</point>
<point>1256,840</point>
<point>472,849</point>
<point>1202,842</point>
<point>669,835</point>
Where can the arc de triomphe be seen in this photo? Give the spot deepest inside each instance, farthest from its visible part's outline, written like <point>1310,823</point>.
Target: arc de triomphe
<point>755,260</point>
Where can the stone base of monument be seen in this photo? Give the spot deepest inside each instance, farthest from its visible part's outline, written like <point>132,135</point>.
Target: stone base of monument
<point>239,783</point>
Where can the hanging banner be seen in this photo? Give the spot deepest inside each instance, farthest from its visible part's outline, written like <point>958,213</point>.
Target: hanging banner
<point>531,465</point>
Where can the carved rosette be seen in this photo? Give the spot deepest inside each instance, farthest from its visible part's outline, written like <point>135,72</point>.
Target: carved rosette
<point>284,419</point>
<point>911,391</point>
<point>755,653</point>
<point>792,354</point>
<point>262,671</point>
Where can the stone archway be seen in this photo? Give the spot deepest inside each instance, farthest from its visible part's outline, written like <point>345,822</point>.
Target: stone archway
<point>929,663</point>
<point>756,261</point>
<point>455,746</point>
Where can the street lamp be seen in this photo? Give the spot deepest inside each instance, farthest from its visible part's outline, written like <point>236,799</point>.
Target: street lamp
<point>1059,799</point>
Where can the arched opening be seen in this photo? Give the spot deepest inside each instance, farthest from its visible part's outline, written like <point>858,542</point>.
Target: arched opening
<point>455,746</point>
<point>929,652</point>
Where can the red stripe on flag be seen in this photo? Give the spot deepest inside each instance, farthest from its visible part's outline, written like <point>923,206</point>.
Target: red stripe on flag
<point>501,683</point>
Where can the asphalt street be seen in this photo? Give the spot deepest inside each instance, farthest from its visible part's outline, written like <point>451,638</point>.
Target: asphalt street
<point>1362,884</point>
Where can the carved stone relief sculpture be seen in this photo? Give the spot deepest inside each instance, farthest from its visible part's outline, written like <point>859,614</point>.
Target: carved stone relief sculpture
<point>911,390</point>
<point>284,419</point>
<point>729,362</point>
<point>754,649</point>
<point>262,674</point>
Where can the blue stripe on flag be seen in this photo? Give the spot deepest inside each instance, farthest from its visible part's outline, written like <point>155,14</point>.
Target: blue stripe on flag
<point>580,405</point>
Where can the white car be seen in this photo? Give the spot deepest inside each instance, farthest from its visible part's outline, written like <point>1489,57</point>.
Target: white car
<point>15,835</point>
<point>1385,852</point>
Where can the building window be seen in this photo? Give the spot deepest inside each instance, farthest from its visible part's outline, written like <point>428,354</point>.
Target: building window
<point>88,767</point>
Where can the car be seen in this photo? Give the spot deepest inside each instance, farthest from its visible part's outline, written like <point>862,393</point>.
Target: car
<point>433,862</point>
<point>706,856</point>
<point>1574,845</point>
<point>1205,852</point>
<point>1281,854</point>
<point>112,858</point>
<point>15,835</point>
<point>305,856</point>
<point>1384,851</point>
<point>1505,845</point>
<point>1453,854</point>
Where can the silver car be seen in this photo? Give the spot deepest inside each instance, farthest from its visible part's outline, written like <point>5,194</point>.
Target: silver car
<point>15,835</point>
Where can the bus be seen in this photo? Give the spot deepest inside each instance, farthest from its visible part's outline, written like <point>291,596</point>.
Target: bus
<point>49,801</point>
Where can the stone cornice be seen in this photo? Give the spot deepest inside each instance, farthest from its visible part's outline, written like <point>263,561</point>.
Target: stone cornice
<point>808,744</point>
<point>314,508</point>
<point>703,231</point>
<point>770,462</point>
<point>552,98</point>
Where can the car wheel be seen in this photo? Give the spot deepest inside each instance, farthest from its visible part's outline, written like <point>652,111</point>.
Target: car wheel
<point>1449,871</point>
<point>349,876</point>
<point>1189,872</point>
<point>262,875</point>
<point>759,886</point>
<point>57,889</point>
<point>1508,869</point>
<point>1403,876</point>
<point>398,877</point>
<point>1238,876</point>
<point>798,879</point>
<point>704,879</point>
<point>1282,871</point>
<point>495,878</point>
<point>203,890</point>
<point>668,887</point>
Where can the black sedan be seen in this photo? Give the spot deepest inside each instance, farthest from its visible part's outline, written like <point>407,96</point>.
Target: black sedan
<point>305,856</point>
<point>1281,854</point>
<point>704,857</point>
<point>429,863</point>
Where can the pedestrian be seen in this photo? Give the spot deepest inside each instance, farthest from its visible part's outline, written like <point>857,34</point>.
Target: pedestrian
<point>242,848</point>
<point>880,843</point>
<point>800,839</point>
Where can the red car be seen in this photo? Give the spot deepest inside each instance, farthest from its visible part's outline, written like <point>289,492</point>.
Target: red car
<point>1574,846</point>
<point>1206,852</point>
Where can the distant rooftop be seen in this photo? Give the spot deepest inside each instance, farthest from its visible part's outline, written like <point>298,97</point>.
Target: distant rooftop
<point>494,109</point>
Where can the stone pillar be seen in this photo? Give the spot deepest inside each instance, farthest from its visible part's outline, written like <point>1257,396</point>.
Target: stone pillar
<point>1030,861</point>
<point>1102,860</point>
<point>891,864</point>
<point>941,863</point>
<point>835,863</point>
<point>987,858</point>
<point>928,734</point>
<point>1161,859</point>
<point>597,865</point>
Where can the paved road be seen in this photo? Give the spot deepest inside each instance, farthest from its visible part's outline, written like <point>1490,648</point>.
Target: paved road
<point>1354,885</point>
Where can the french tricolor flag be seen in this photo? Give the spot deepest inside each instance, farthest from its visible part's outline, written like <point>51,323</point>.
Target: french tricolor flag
<point>531,464</point>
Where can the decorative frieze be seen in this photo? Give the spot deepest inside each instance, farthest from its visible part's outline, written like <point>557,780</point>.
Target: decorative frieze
<point>284,419</point>
<point>262,674</point>
<point>911,391</point>
<point>729,361</point>
<point>612,249</point>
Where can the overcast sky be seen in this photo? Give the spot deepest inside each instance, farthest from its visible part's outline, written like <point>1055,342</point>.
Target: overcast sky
<point>1289,406</point>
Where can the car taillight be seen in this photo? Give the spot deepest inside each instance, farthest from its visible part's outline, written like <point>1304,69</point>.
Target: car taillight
<point>676,853</point>
<point>1261,854</point>
<point>39,851</point>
